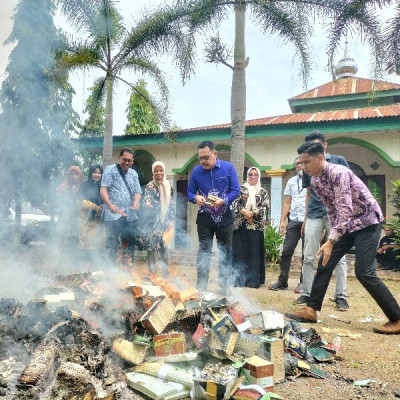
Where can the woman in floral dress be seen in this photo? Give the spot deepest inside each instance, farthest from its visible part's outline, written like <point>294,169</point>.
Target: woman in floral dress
<point>248,235</point>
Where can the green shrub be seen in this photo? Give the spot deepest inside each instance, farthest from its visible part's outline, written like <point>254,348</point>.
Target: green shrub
<point>272,244</point>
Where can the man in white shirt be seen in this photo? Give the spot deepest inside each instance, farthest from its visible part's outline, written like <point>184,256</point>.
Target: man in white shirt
<point>294,209</point>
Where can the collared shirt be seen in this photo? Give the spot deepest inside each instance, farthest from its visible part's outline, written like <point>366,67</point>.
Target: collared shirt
<point>316,208</point>
<point>297,193</point>
<point>221,181</point>
<point>349,204</point>
<point>117,190</point>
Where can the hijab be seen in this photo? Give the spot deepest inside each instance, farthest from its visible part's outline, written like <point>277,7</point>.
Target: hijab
<point>252,189</point>
<point>70,185</point>
<point>164,188</point>
<point>90,190</point>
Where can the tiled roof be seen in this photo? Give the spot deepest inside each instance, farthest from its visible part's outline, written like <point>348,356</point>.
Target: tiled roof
<point>344,86</point>
<point>335,115</point>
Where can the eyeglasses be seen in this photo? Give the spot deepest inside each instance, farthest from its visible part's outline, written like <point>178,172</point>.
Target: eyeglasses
<point>253,175</point>
<point>204,158</point>
<point>299,163</point>
<point>128,160</point>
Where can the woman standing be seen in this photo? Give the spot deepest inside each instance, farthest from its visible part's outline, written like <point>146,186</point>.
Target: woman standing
<point>248,235</point>
<point>91,228</point>
<point>67,208</point>
<point>159,217</point>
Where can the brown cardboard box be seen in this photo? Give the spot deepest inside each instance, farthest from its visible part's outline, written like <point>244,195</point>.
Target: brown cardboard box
<point>170,343</point>
<point>261,372</point>
<point>158,316</point>
<point>272,350</point>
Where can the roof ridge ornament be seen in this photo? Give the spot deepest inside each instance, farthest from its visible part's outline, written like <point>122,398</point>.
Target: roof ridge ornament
<point>347,66</point>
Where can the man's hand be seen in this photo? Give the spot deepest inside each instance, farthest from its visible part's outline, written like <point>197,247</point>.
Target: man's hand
<point>303,227</point>
<point>113,208</point>
<point>200,200</point>
<point>218,202</point>
<point>282,228</point>
<point>325,249</point>
<point>136,205</point>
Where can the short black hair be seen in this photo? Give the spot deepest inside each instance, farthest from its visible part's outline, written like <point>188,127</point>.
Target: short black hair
<point>311,148</point>
<point>206,143</point>
<point>126,150</point>
<point>315,135</point>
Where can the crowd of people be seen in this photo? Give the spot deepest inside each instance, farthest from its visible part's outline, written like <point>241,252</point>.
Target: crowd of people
<point>326,205</point>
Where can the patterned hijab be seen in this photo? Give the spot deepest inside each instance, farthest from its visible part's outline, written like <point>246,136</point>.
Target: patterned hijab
<point>253,189</point>
<point>164,188</point>
<point>69,184</point>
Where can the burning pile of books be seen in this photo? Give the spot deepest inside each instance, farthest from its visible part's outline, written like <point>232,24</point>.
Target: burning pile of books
<point>175,343</point>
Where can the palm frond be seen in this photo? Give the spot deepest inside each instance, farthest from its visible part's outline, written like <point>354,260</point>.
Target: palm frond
<point>80,55</point>
<point>291,25</point>
<point>100,19</point>
<point>149,69</point>
<point>392,43</point>
<point>354,17</point>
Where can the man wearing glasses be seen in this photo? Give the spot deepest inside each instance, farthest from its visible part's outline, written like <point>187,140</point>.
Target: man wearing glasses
<point>120,191</point>
<point>213,185</point>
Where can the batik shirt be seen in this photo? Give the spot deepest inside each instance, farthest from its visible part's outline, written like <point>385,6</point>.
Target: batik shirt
<point>117,190</point>
<point>349,204</point>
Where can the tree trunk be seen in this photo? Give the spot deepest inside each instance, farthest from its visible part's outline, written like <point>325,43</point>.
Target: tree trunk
<point>108,128</point>
<point>238,93</point>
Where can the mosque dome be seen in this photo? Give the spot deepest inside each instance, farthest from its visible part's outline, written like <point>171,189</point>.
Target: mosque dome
<point>346,67</point>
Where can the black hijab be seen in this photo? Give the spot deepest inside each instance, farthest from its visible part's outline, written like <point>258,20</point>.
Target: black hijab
<point>90,190</point>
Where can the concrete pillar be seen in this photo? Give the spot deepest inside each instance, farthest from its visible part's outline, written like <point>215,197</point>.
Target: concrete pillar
<point>276,176</point>
<point>173,180</point>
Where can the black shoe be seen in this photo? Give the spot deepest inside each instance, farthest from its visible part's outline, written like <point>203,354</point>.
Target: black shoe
<point>301,300</point>
<point>386,268</point>
<point>341,304</point>
<point>278,286</point>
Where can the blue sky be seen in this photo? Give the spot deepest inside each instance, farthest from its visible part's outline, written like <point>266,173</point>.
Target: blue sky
<point>272,75</point>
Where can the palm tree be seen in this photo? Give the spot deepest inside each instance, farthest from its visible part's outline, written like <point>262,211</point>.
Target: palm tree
<point>111,48</point>
<point>293,21</point>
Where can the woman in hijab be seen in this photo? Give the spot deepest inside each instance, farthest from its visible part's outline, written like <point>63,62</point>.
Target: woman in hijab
<point>91,228</point>
<point>159,217</point>
<point>67,208</point>
<point>248,235</point>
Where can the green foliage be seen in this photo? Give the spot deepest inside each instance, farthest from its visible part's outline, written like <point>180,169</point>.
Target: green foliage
<point>394,222</point>
<point>37,114</point>
<point>142,113</point>
<point>94,125</point>
<point>396,198</point>
<point>272,244</point>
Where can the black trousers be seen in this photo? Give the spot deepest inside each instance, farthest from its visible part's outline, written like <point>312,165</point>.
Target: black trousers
<point>223,235</point>
<point>293,235</point>
<point>365,242</point>
<point>120,229</point>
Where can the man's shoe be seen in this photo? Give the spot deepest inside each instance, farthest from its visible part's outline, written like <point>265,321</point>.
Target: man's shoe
<point>390,328</point>
<point>301,300</point>
<point>341,304</point>
<point>278,286</point>
<point>306,314</point>
<point>299,288</point>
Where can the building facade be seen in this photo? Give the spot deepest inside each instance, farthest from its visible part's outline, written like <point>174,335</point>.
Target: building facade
<point>359,117</point>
